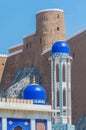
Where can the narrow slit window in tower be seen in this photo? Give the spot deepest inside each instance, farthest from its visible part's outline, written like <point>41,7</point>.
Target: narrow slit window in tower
<point>26,45</point>
<point>57,15</point>
<point>40,40</point>
<point>57,28</point>
<point>30,44</point>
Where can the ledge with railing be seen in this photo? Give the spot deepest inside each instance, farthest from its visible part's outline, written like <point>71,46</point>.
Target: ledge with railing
<point>13,100</point>
<point>22,105</point>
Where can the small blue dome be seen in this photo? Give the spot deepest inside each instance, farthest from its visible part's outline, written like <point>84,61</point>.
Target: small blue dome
<point>60,47</point>
<point>34,92</point>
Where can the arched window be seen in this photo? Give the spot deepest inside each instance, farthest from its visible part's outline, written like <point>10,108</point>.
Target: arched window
<point>18,128</point>
<point>64,97</point>
<point>40,125</point>
<point>63,73</point>
<point>58,98</point>
<point>57,73</point>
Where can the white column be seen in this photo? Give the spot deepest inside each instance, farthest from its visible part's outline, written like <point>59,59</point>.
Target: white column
<point>49,126</point>
<point>32,124</point>
<point>52,82</point>
<point>69,70</point>
<point>4,123</point>
<point>55,89</point>
<point>55,85</point>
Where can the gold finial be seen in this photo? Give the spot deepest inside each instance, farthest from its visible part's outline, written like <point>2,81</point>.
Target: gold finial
<point>60,37</point>
<point>34,80</point>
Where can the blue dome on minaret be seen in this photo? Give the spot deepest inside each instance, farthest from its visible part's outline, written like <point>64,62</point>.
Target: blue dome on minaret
<point>60,47</point>
<point>36,93</point>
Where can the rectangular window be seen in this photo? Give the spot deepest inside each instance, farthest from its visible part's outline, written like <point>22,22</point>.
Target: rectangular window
<point>57,28</point>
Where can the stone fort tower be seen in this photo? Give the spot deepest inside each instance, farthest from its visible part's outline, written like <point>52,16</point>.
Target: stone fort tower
<point>50,26</point>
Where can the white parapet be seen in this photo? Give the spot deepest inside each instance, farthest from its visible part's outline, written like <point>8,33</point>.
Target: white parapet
<point>15,46</point>
<point>20,104</point>
<point>45,51</point>
<point>54,9</point>
<point>15,53</point>
<point>3,55</point>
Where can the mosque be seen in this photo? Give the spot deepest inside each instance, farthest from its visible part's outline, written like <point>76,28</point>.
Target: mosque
<point>32,112</point>
<point>59,71</point>
<point>32,57</point>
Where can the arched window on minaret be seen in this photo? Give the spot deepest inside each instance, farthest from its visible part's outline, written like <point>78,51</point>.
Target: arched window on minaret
<point>64,97</point>
<point>57,73</point>
<point>63,72</point>
<point>58,97</point>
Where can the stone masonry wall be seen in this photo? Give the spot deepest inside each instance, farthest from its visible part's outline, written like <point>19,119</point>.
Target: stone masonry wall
<point>78,75</point>
<point>2,65</point>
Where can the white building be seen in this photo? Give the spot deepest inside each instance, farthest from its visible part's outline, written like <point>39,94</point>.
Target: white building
<point>26,114</point>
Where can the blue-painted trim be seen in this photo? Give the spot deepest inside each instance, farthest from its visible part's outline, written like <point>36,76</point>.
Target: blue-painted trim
<point>39,102</point>
<point>0,124</point>
<point>18,122</point>
<point>63,127</point>
<point>60,55</point>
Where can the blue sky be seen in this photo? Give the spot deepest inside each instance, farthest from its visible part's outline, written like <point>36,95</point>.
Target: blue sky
<point>17,18</point>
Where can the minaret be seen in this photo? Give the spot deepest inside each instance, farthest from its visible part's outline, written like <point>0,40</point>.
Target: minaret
<point>61,83</point>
